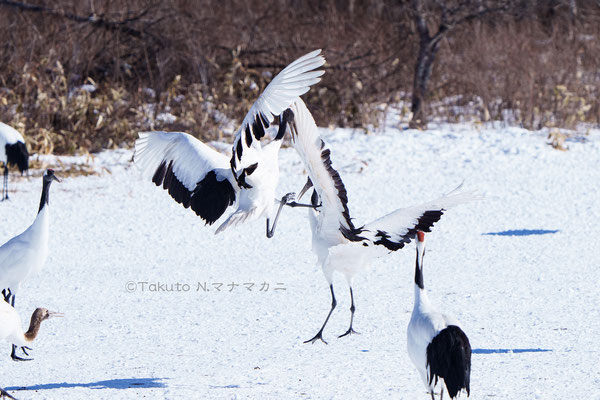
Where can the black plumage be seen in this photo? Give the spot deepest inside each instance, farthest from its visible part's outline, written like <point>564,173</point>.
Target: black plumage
<point>350,232</point>
<point>449,358</point>
<point>18,155</point>
<point>209,199</point>
<point>424,223</point>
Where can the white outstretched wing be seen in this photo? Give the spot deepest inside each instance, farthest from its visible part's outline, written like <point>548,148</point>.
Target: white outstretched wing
<point>293,81</point>
<point>398,228</point>
<point>194,174</point>
<point>333,214</point>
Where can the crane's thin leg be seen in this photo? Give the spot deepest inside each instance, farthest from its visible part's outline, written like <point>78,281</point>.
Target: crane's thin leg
<point>284,200</point>
<point>6,293</point>
<point>5,186</point>
<point>442,393</point>
<point>352,309</point>
<point>294,204</point>
<point>432,396</point>
<point>319,334</point>
<point>5,395</point>
<point>15,357</point>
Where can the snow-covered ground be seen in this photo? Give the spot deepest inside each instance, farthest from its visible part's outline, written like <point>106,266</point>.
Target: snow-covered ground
<point>520,270</point>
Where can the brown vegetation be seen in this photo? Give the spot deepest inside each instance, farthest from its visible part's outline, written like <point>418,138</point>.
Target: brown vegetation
<point>206,61</point>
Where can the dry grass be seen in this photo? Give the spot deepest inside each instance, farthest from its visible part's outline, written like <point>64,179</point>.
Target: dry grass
<point>206,65</point>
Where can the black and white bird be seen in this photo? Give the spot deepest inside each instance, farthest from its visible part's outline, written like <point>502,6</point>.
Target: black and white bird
<point>207,181</point>
<point>25,254</point>
<point>11,328</point>
<point>339,244</point>
<point>12,152</point>
<point>436,344</point>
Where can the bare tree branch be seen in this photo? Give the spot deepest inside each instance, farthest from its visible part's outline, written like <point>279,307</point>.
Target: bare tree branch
<point>94,20</point>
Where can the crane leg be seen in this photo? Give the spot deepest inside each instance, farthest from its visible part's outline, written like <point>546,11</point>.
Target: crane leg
<point>5,395</point>
<point>6,294</point>
<point>294,204</point>
<point>352,309</point>
<point>5,185</point>
<point>319,335</point>
<point>15,357</point>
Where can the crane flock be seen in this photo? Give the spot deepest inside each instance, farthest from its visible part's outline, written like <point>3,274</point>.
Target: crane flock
<point>245,183</point>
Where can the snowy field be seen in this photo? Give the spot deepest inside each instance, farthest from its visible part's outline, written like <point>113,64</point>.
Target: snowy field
<point>519,270</point>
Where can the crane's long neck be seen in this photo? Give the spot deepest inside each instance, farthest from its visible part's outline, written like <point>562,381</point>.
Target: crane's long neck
<point>420,294</point>
<point>44,200</point>
<point>34,328</point>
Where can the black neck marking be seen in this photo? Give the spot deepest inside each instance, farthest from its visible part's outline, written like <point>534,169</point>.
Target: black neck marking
<point>419,270</point>
<point>45,194</point>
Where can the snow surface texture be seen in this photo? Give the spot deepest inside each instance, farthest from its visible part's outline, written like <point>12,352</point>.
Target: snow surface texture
<point>519,270</point>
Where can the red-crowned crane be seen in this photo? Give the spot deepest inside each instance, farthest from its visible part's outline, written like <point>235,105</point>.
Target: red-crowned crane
<point>12,152</point>
<point>436,344</point>
<point>25,254</point>
<point>338,243</point>
<point>205,180</point>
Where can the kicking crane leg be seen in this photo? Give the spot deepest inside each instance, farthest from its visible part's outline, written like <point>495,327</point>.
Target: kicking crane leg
<point>319,334</point>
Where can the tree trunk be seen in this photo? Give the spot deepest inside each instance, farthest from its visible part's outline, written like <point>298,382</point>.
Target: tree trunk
<point>427,50</point>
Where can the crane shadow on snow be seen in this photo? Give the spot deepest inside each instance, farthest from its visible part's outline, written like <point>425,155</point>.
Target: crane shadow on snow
<point>504,351</point>
<point>522,232</point>
<point>147,383</point>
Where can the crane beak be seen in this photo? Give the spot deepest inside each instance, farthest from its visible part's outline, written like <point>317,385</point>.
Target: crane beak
<point>56,179</point>
<point>52,314</point>
<point>307,186</point>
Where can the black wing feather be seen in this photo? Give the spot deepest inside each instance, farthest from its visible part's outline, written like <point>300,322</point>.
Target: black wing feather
<point>209,199</point>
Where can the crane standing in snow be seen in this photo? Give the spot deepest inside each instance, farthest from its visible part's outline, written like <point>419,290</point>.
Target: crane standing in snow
<point>338,243</point>
<point>12,151</point>
<point>205,180</point>
<point>25,254</point>
<point>436,344</point>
